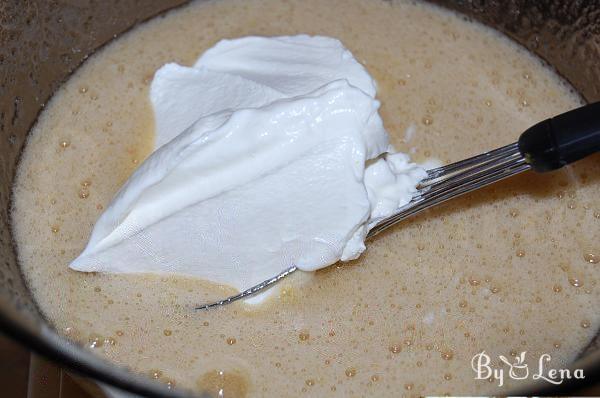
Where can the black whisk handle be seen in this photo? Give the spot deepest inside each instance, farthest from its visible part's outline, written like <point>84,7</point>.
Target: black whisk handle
<point>563,139</point>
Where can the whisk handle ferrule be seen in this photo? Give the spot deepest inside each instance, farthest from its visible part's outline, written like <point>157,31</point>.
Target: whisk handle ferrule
<point>563,139</point>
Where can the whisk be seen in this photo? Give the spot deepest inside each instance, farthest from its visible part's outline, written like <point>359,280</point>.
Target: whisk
<point>548,145</point>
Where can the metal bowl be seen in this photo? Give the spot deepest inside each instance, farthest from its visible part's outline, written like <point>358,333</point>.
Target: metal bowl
<point>42,42</point>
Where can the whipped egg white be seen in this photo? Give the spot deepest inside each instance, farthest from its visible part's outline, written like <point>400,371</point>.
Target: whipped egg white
<point>269,153</point>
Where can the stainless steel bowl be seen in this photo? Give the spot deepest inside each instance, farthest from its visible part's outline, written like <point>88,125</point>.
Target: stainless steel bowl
<point>42,42</point>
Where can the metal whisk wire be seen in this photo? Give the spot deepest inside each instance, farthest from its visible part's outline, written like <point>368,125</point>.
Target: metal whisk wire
<point>447,182</point>
<point>441,184</point>
<point>249,292</point>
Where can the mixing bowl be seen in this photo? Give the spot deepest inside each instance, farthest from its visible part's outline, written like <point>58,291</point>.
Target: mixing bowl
<point>42,42</point>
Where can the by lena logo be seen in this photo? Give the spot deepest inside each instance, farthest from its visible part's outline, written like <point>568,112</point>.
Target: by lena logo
<point>518,369</point>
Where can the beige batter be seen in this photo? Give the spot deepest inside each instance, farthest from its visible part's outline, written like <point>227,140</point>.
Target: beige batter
<point>511,268</point>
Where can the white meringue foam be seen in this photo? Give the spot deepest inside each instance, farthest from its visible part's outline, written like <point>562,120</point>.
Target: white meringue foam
<point>260,164</point>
